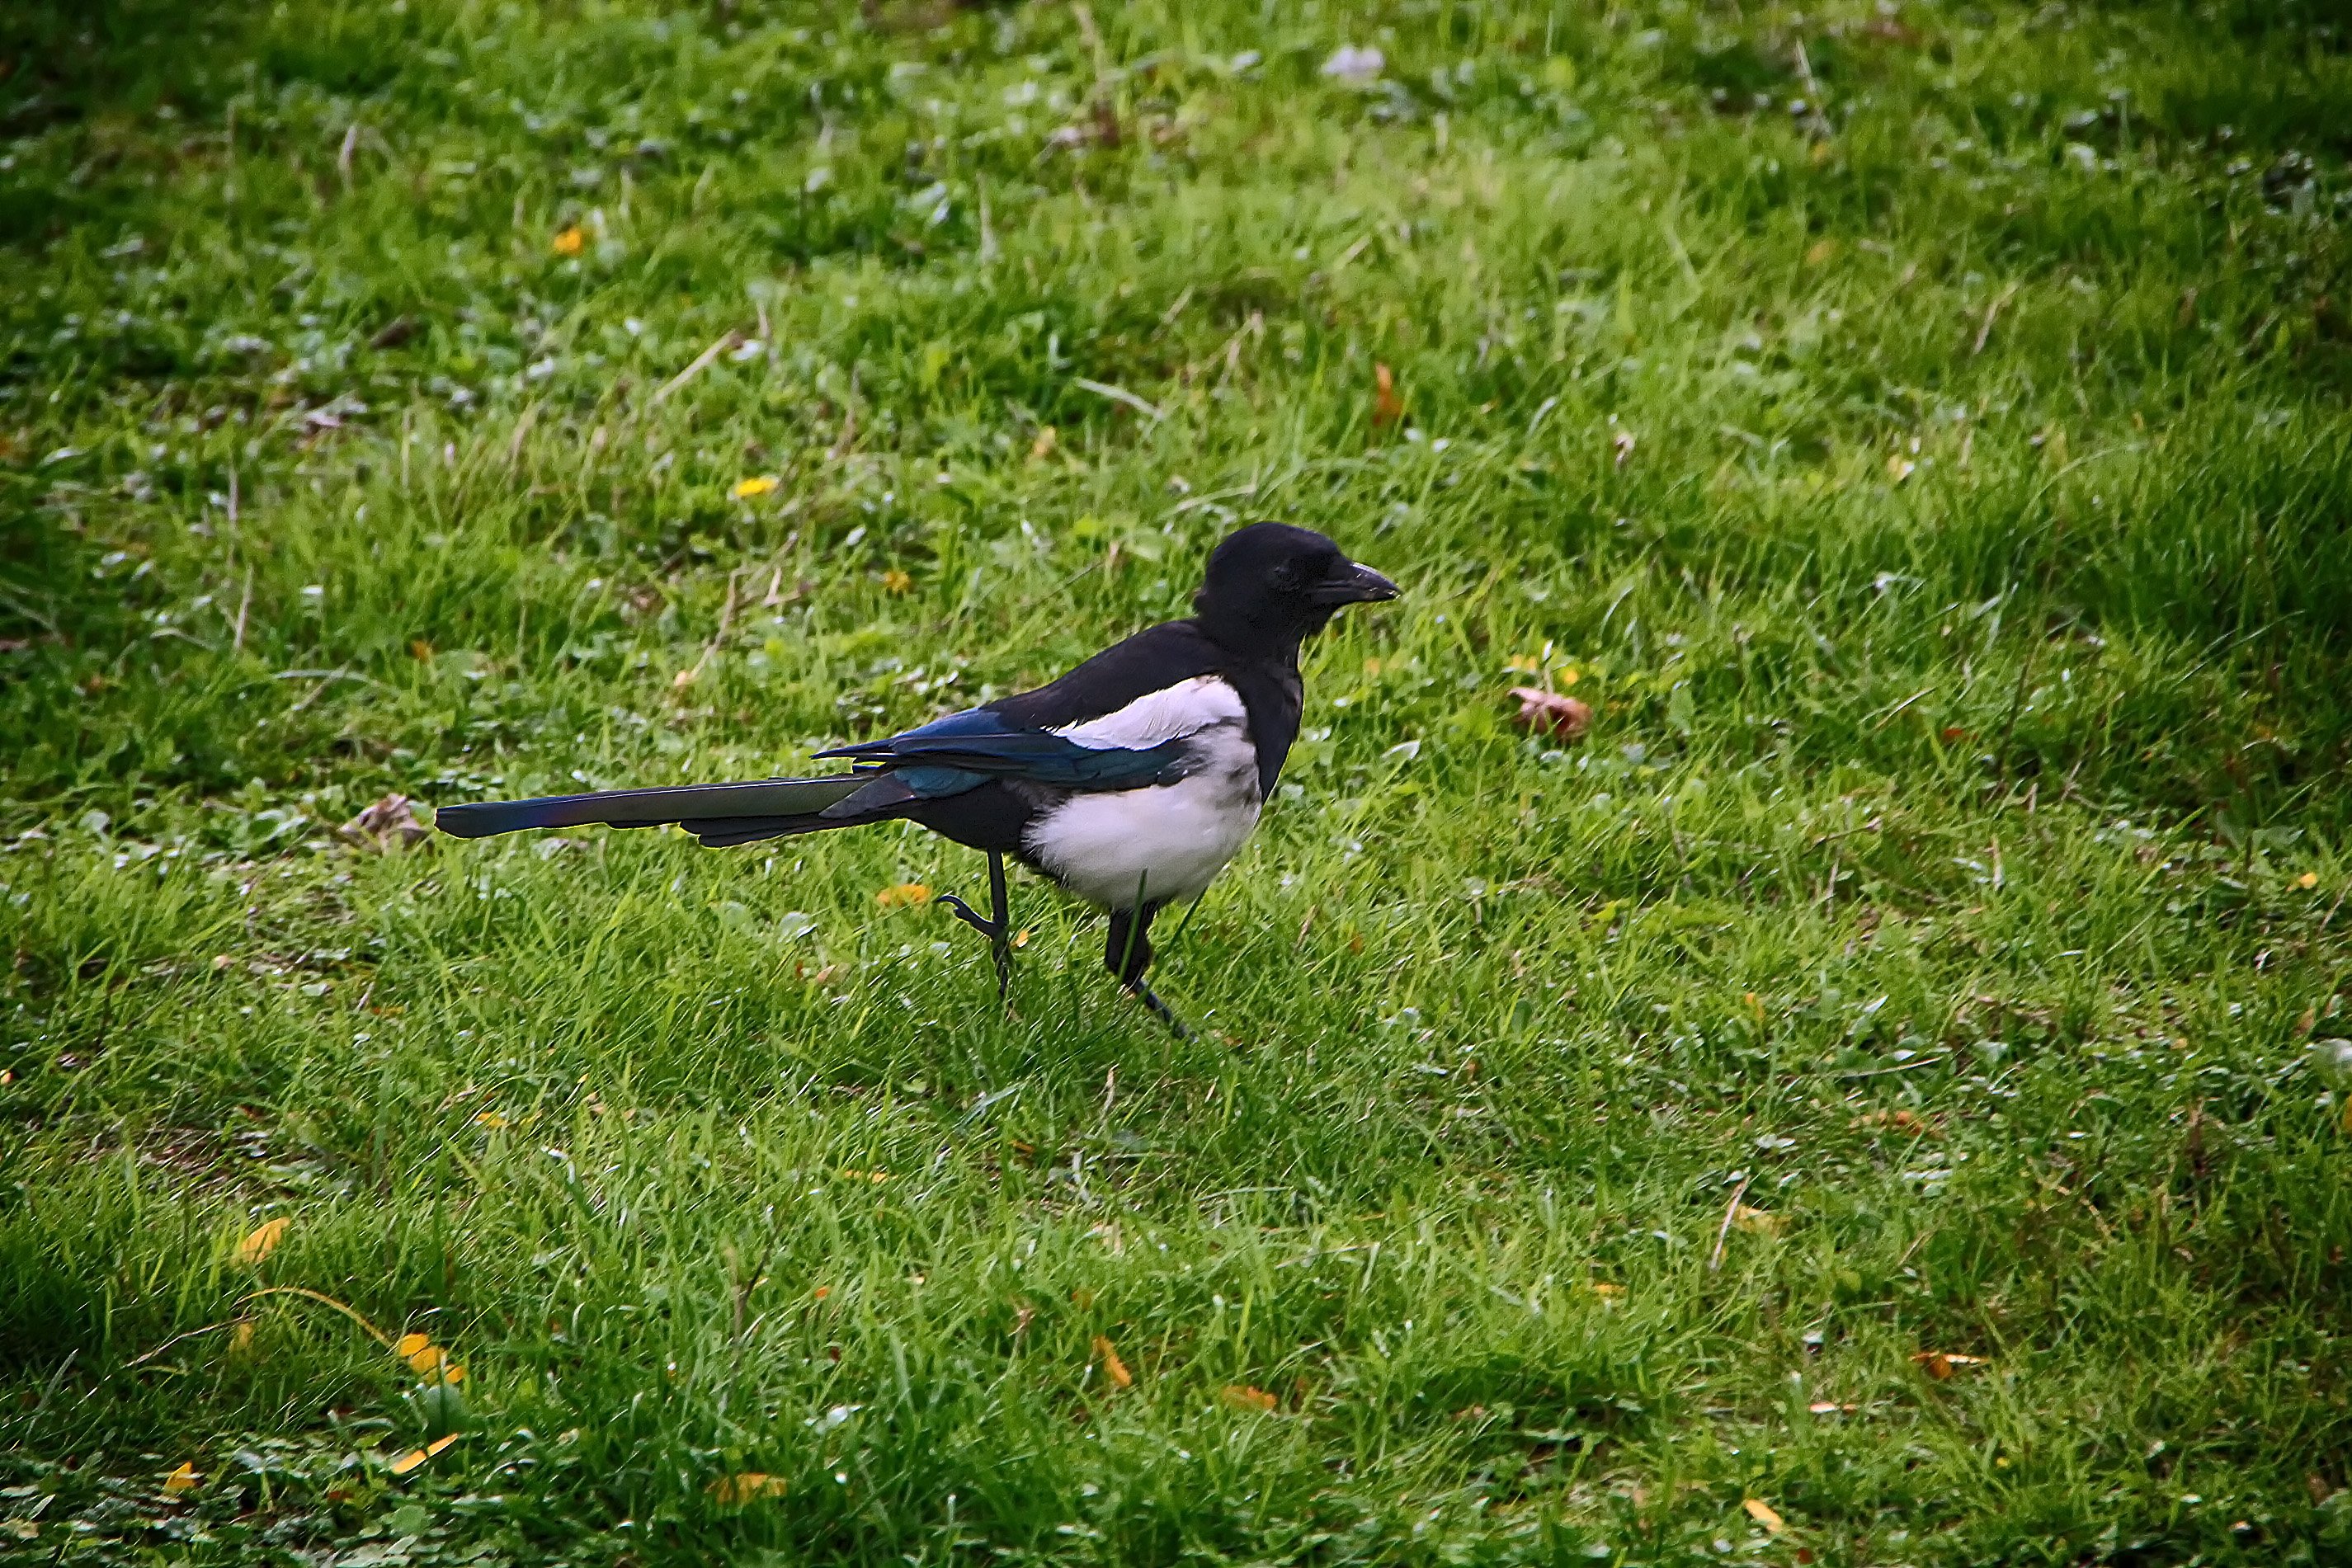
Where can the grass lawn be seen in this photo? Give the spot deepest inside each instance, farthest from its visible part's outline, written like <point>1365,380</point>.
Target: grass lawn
<point>1873,1099</point>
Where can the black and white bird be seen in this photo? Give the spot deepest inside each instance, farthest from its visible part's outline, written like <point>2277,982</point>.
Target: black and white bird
<point>1130,781</point>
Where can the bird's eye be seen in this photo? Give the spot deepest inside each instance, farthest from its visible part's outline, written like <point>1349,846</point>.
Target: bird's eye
<point>1286,574</point>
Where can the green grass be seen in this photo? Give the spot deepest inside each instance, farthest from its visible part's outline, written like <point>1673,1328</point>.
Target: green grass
<point>1945,505</point>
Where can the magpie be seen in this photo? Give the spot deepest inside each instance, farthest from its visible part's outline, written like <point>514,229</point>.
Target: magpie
<point>1130,781</point>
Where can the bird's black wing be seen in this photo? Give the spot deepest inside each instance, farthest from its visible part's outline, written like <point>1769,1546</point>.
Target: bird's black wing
<point>1152,660</point>
<point>1160,657</point>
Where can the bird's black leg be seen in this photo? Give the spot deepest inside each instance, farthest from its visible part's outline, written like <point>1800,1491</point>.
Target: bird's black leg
<point>1129,954</point>
<point>997,928</point>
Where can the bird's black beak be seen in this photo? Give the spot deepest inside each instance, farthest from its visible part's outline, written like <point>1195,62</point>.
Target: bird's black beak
<point>1353,584</point>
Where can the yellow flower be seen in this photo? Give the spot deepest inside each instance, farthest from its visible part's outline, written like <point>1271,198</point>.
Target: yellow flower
<point>569,241</point>
<point>262,1240</point>
<point>758,484</point>
<point>896,581</point>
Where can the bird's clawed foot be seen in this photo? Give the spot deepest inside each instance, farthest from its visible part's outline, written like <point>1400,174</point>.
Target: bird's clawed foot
<point>1161,1010</point>
<point>1129,954</point>
<point>997,927</point>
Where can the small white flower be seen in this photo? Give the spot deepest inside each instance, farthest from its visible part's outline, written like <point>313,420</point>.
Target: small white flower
<point>1356,66</point>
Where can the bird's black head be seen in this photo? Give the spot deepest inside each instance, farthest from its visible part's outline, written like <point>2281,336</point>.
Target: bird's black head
<point>1270,587</point>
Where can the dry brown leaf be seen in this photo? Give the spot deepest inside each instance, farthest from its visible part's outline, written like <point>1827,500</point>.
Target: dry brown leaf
<point>389,824</point>
<point>183,1478</point>
<point>1248,1397</point>
<point>1387,406</point>
<point>1764,1514</point>
<point>1548,713</point>
<point>1113,1369</point>
<point>903,894</point>
<point>262,1240</point>
<point>1940,1365</point>
<point>747,1487</point>
<point>1902,1121</point>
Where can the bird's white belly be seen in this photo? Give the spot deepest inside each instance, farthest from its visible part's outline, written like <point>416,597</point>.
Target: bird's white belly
<point>1170,840</point>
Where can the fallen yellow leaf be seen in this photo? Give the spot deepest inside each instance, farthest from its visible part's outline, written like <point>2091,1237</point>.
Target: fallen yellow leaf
<point>896,581</point>
<point>1610,1294</point>
<point>1762,1513</point>
<point>1756,1221</point>
<point>262,1240</point>
<point>903,894</point>
<point>240,1339</point>
<point>747,1486</point>
<point>1043,447</point>
<point>1113,1369</point>
<point>2309,879</point>
<point>1248,1397</point>
<point>493,1120</point>
<point>568,241</point>
<point>1821,252</point>
<point>415,1456</point>
<point>183,1478</point>
<point>1021,938</point>
<point>758,484</point>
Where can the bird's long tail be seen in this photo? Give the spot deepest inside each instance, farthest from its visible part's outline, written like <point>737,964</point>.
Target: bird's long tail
<point>718,814</point>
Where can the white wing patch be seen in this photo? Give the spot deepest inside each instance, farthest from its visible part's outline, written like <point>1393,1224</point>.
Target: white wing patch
<point>1170,714</point>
